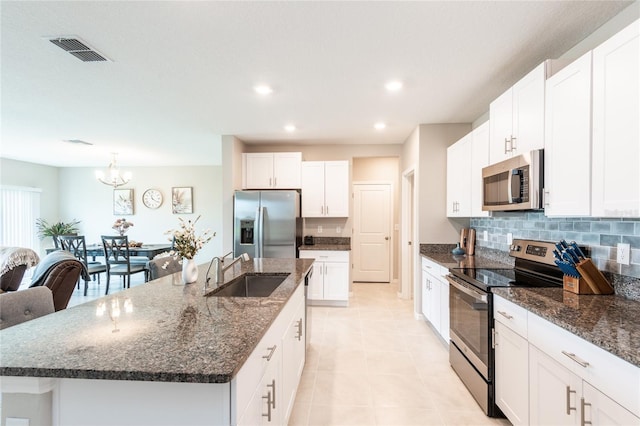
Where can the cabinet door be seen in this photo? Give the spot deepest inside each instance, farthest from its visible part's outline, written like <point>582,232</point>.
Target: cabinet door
<point>567,156</point>
<point>286,170</point>
<point>616,134</point>
<point>293,356</point>
<point>601,410</point>
<point>555,391</point>
<point>459,178</point>
<point>426,298</point>
<point>528,111</point>
<point>312,181</point>
<point>479,159</point>
<point>512,374</point>
<point>336,188</point>
<point>435,303</point>
<point>336,281</point>
<point>501,127</point>
<point>444,310</point>
<point>259,170</point>
<point>316,286</point>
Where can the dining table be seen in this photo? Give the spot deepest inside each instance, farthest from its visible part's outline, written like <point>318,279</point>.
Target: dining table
<point>148,250</point>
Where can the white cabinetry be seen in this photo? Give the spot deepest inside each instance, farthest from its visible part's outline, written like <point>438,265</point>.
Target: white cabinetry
<point>616,134</point>
<point>266,385</point>
<point>479,160</point>
<point>435,297</point>
<point>325,188</point>
<point>564,379</point>
<point>271,170</point>
<point>511,361</point>
<point>459,178</point>
<point>329,283</point>
<point>517,117</point>
<point>568,141</point>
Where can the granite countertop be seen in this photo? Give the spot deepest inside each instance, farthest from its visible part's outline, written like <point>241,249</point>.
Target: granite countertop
<point>336,247</point>
<point>610,322</point>
<point>173,334</point>
<point>484,258</point>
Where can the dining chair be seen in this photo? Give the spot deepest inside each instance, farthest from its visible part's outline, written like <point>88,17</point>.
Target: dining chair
<point>161,266</point>
<point>76,245</point>
<point>118,259</point>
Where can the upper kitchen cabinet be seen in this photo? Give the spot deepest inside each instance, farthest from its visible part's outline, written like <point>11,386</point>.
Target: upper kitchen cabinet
<point>616,136</point>
<point>465,160</point>
<point>459,178</point>
<point>325,188</point>
<point>271,170</point>
<point>479,159</point>
<point>568,141</point>
<point>517,117</point>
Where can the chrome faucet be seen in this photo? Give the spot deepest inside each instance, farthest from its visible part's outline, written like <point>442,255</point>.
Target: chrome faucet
<point>221,268</point>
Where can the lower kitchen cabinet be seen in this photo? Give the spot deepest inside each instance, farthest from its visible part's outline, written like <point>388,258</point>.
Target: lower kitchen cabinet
<point>266,385</point>
<point>435,297</point>
<point>511,361</point>
<point>566,380</point>
<point>329,283</point>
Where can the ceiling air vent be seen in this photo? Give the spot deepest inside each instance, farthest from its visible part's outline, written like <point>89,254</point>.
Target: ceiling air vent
<point>78,49</point>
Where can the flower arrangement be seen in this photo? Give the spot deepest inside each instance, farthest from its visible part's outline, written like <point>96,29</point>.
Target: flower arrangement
<point>186,244</point>
<point>60,228</point>
<point>122,225</point>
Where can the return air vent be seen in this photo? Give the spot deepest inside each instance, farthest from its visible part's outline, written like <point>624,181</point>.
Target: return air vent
<point>78,49</point>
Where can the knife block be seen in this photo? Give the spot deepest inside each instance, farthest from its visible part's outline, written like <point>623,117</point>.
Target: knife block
<point>594,278</point>
<point>575,285</point>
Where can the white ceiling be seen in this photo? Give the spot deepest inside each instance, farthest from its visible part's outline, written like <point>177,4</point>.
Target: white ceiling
<point>182,73</point>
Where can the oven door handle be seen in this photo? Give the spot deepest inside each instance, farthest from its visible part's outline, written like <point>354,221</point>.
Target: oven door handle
<point>468,291</point>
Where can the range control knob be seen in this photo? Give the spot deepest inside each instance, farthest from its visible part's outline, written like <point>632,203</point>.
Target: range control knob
<point>515,247</point>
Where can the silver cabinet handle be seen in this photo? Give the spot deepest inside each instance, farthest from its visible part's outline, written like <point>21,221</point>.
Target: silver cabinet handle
<point>270,182</point>
<point>506,315</point>
<point>514,146</point>
<point>273,389</point>
<point>268,398</point>
<point>271,352</point>
<point>569,407</point>
<point>321,209</point>
<point>575,358</point>
<point>506,141</point>
<point>299,336</point>
<point>545,195</point>
<point>583,404</point>
<point>275,181</point>
<point>326,209</point>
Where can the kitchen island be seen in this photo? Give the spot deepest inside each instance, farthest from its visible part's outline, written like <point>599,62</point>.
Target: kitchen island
<point>171,356</point>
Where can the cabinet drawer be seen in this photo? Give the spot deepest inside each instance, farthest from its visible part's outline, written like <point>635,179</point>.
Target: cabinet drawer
<point>325,255</point>
<point>511,315</point>
<point>613,376</point>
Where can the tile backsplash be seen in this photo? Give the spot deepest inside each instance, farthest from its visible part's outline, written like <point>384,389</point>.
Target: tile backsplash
<point>599,235</point>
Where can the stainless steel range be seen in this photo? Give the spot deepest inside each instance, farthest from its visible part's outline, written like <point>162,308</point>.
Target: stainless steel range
<point>471,352</point>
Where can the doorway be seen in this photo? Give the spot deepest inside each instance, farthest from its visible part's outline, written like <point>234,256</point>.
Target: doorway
<point>409,241</point>
<point>372,210</point>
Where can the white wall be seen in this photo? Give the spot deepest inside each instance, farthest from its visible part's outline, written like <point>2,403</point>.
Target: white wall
<point>83,197</point>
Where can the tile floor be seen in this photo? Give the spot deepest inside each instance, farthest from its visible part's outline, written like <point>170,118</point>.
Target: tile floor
<point>369,364</point>
<point>374,364</point>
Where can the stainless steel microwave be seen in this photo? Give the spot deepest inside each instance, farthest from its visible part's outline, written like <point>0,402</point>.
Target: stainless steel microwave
<point>514,184</point>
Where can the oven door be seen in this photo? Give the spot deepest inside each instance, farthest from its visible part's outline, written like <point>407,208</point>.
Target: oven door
<point>469,311</point>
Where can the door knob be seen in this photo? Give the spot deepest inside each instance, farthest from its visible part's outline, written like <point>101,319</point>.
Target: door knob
<point>386,238</point>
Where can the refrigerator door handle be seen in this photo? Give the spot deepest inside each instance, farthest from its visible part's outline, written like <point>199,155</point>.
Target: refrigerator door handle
<point>258,231</point>
<point>260,247</point>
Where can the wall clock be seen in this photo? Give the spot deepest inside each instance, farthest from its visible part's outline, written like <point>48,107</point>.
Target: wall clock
<point>152,198</point>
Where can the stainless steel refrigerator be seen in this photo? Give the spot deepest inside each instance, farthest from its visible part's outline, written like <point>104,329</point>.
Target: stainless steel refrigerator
<point>267,224</point>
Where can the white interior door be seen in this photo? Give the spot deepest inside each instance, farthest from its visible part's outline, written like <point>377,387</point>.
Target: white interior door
<point>372,232</point>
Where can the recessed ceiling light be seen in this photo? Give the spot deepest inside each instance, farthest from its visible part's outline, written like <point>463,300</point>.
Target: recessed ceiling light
<point>393,86</point>
<point>379,126</point>
<point>263,89</point>
<point>290,128</point>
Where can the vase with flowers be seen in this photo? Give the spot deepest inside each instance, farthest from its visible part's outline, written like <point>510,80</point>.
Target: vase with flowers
<point>186,244</point>
<point>122,225</point>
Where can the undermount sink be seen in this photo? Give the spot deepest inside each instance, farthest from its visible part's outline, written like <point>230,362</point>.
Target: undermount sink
<point>250,285</point>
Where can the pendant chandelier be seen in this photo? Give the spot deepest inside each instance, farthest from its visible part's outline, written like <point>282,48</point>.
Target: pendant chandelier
<point>113,176</point>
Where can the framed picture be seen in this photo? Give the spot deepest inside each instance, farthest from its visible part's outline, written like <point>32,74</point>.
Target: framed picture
<point>122,202</point>
<point>182,200</point>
